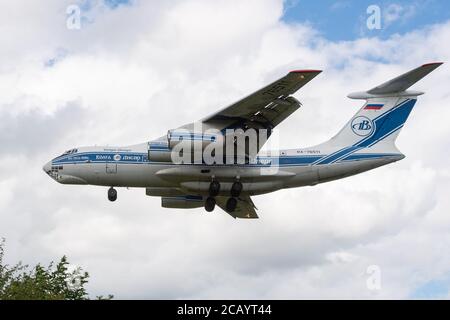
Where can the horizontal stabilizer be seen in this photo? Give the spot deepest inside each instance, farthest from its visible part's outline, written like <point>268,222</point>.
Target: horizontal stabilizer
<point>403,82</point>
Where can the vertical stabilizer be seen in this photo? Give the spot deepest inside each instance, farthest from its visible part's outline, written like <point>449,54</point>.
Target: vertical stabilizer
<point>385,112</point>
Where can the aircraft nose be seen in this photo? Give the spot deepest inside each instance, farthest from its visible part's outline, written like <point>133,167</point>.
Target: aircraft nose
<point>47,167</point>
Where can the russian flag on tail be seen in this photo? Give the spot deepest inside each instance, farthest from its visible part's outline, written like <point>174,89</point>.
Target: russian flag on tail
<point>373,106</point>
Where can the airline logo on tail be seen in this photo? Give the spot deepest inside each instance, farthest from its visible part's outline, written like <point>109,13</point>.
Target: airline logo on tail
<point>362,126</point>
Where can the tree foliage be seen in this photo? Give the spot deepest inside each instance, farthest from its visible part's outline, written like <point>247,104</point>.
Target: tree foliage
<point>54,282</point>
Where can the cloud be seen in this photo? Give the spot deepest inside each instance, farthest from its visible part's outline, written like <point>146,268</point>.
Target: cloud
<point>339,5</point>
<point>35,129</point>
<point>141,69</point>
<point>396,12</point>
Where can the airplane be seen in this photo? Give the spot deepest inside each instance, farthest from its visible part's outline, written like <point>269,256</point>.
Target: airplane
<point>366,142</point>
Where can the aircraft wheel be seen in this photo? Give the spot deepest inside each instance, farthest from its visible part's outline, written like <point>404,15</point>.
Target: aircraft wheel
<point>231,204</point>
<point>112,194</point>
<point>236,189</point>
<point>214,188</point>
<point>210,204</point>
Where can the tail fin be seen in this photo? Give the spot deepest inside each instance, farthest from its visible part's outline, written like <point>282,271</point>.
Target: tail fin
<point>386,110</point>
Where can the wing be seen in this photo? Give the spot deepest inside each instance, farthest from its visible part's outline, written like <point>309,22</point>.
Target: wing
<point>245,208</point>
<point>406,80</point>
<point>265,108</point>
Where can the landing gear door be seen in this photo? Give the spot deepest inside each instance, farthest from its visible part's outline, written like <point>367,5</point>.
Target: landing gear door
<point>111,167</point>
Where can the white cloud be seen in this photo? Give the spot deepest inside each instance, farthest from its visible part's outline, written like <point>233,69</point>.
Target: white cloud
<point>139,70</point>
<point>396,12</point>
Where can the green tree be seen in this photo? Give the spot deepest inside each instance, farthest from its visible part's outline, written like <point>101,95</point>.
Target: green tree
<point>54,282</point>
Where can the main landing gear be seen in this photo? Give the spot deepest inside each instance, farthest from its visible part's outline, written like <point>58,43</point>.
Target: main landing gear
<point>231,204</point>
<point>210,204</point>
<point>236,189</point>
<point>214,189</point>
<point>112,194</point>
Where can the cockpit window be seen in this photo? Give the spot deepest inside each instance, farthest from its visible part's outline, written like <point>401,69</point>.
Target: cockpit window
<point>70,151</point>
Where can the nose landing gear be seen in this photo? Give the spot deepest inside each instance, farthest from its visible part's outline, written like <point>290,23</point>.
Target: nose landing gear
<point>112,194</point>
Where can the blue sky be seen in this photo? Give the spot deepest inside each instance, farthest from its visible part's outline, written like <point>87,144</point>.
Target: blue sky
<point>346,20</point>
<point>434,289</point>
<point>116,3</point>
<point>113,4</point>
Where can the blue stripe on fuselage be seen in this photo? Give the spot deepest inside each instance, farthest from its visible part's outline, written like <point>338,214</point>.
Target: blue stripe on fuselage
<point>368,156</point>
<point>282,161</point>
<point>96,157</point>
<point>338,155</point>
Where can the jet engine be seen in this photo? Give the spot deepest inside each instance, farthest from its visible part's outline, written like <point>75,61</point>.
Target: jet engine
<point>194,139</point>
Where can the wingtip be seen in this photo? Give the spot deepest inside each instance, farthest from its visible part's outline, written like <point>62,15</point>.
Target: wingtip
<point>306,71</point>
<point>437,64</point>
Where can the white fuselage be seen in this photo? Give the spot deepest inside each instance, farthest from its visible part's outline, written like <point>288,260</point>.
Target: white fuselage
<point>130,167</point>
